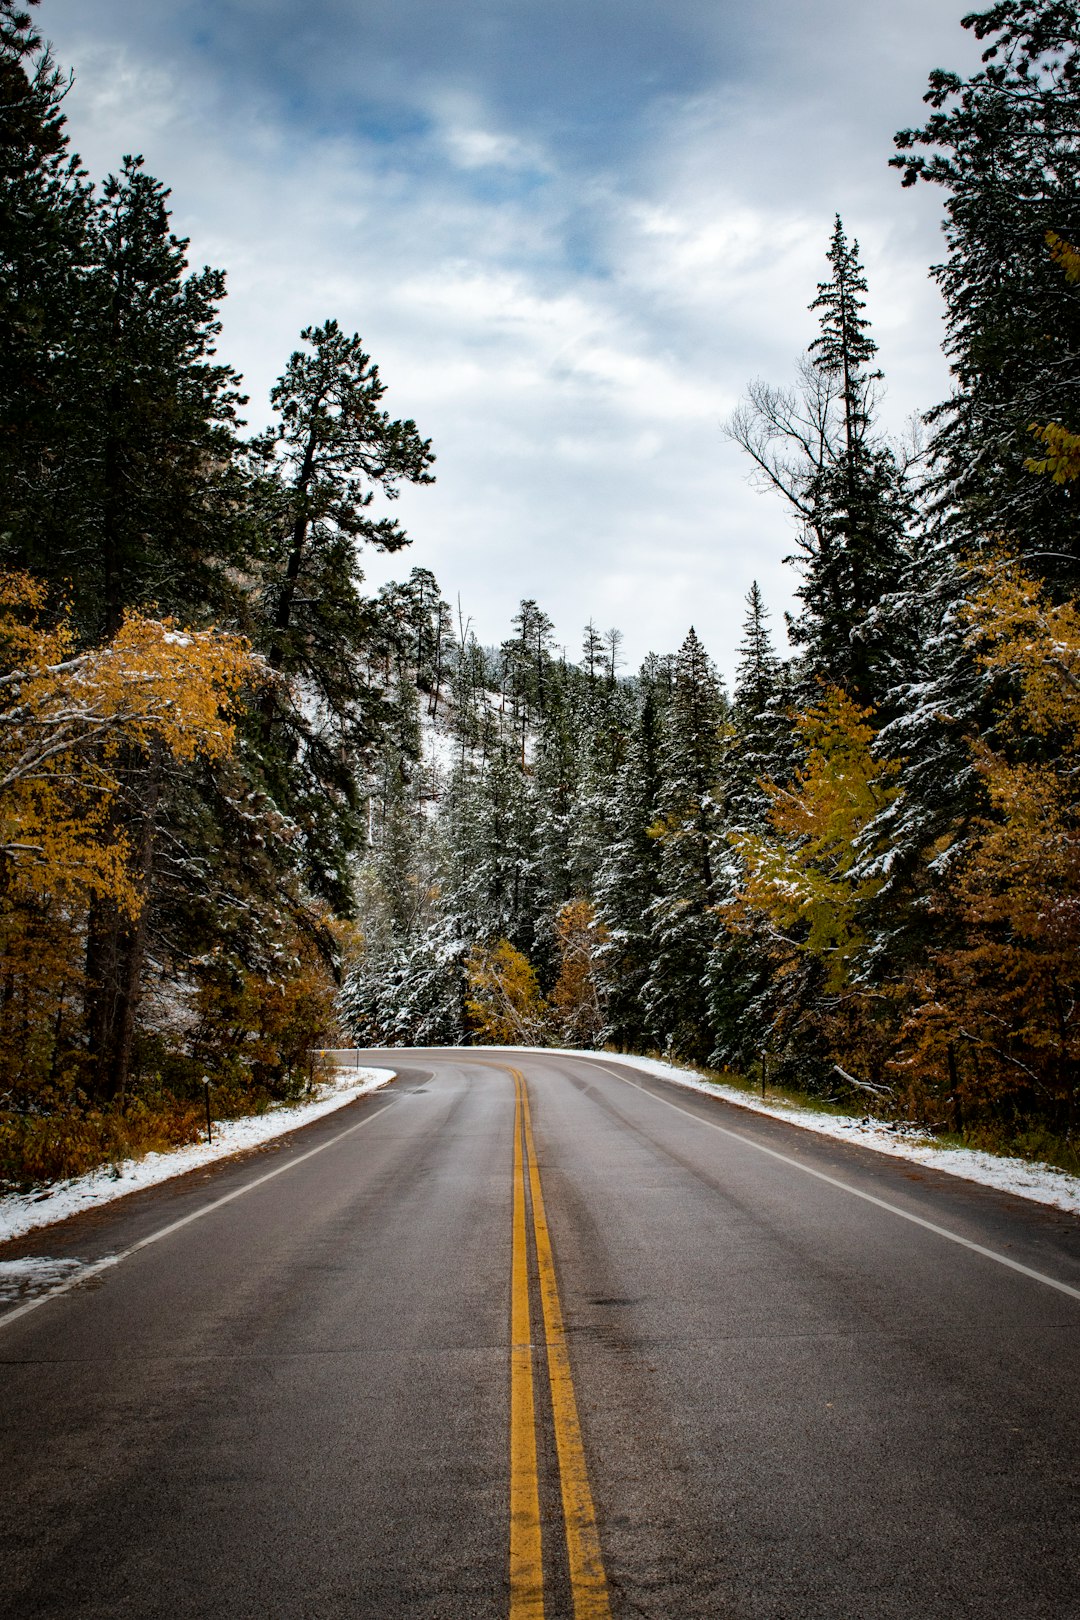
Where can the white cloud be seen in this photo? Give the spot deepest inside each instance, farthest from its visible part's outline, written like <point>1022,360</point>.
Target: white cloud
<point>570,334</point>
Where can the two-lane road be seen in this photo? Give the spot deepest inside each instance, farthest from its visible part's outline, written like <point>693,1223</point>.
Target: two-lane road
<point>527,1335</point>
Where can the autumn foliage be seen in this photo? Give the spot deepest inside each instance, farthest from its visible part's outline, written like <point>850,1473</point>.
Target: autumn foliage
<point>986,1020</point>
<point>807,878</point>
<point>67,716</point>
<point>72,721</point>
<point>993,1016</point>
<point>505,1001</point>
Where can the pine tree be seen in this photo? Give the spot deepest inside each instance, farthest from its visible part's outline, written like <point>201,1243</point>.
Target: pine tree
<point>628,874</point>
<point>860,509</point>
<point>592,651</point>
<point>318,472</point>
<point>845,349</point>
<point>158,504</point>
<point>683,926</point>
<point>1002,145</point>
<point>470,721</point>
<point>492,881</point>
<point>850,493</point>
<point>759,748</point>
<point>44,207</point>
<point>760,745</point>
<point>145,512</point>
<point>526,665</point>
<point>556,782</point>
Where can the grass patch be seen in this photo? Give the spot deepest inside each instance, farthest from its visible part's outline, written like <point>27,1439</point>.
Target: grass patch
<point>809,1102</point>
<point>1034,1143</point>
<point>1031,1141</point>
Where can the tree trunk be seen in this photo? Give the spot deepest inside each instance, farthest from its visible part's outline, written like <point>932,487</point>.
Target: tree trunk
<point>116,946</point>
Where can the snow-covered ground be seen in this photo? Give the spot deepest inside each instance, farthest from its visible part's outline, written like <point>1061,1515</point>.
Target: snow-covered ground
<point>25,1212</point>
<point>1040,1182</point>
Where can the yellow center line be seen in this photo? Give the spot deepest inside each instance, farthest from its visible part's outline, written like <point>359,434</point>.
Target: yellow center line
<point>526,1565</point>
<point>587,1578</point>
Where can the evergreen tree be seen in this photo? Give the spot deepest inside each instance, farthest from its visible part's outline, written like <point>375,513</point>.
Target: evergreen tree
<point>44,206</point>
<point>627,877</point>
<point>319,470</point>
<point>470,721</point>
<point>1002,145</point>
<point>859,508</point>
<point>526,661</point>
<point>760,738</point>
<point>759,749</point>
<point>592,651</point>
<point>492,881</point>
<point>157,503</point>
<point>146,512</point>
<point>556,781</point>
<point>848,490</point>
<point>683,927</point>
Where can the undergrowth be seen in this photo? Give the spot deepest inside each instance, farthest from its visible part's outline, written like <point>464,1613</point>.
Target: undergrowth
<point>52,1138</point>
<point>1032,1141</point>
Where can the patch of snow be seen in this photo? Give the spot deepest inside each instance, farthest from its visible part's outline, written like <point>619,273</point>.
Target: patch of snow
<point>35,1274</point>
<point>25,1212</point>
<point>1040,1182</point>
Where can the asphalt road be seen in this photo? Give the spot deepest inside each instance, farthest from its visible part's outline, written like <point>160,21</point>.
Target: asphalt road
<point>790,1395</point>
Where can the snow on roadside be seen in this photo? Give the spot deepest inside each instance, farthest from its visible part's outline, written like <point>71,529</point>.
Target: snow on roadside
<point>22,1279</point>
<point>25,1212</point>
<point>1040,1182</point>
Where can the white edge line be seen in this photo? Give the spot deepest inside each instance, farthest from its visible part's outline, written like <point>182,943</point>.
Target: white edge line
<point>833,1181</point>
<point>110,1260</point>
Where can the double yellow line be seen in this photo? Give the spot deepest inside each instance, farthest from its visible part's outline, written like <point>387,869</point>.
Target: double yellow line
<point>587,1579</point>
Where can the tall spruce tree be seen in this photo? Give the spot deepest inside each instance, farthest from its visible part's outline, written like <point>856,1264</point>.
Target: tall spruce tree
<point>759,748</point>
<point>848,489</point>
<point>150,517</point>
<point>627,878</point>
<point>1002,145</point>
<point>687,826</point>
<point>853,541</point>
<point>44,206</point>
<point>159,513</point>
<point>760,736</point>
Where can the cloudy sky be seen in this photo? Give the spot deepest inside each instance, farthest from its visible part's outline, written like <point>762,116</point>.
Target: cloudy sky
<point>569,231</point>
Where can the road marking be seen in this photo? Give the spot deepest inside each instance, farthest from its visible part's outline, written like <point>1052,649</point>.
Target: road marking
<point>175,1226</point>
<point>855,1192</point>
<point>587,1578</point>
<point>526,1562</point>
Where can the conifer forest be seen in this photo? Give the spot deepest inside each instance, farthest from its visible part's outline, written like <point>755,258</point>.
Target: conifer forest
<point>251,808</point>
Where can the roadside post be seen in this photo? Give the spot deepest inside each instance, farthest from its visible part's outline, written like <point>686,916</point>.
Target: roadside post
<point>206,1097</point>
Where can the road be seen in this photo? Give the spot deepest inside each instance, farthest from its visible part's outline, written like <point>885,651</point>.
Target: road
<point>539,1336</point>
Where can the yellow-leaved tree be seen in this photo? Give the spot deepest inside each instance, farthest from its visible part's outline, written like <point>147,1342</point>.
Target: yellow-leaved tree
<point>504,999</point>
<point>997,1010</point>
<point>68,718</point>
<point>65,715</point>
<point>576,999</point>
<point>806,879</point>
